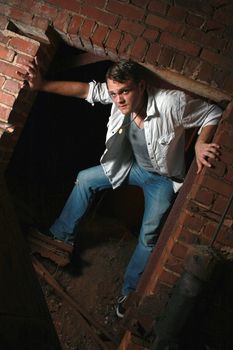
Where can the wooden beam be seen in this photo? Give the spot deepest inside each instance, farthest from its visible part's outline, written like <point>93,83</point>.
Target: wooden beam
<point>188,84</point>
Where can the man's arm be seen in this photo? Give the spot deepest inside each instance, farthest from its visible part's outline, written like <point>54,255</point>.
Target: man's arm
<point>34,80</point>
<point>205,150</point>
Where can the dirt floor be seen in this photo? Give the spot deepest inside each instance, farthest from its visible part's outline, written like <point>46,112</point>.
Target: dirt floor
<point>93,279</point>
<point>103,247</point>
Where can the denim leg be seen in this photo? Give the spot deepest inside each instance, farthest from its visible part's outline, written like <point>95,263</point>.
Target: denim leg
<point>158,195</point>
<point>88,182</point>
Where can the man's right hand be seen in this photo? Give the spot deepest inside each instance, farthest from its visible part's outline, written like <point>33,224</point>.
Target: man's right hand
<point>31,77</point>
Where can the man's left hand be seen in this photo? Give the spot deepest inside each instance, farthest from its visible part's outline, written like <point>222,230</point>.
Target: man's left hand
<point>204,153</point>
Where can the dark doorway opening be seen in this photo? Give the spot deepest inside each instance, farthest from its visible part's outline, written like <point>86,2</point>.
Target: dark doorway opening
<point>62,136</point>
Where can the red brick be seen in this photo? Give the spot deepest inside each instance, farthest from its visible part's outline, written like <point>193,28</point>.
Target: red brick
<point>4,9</point>
<point>220,204</point>
<point>113,39</point>
<point>6,54</point>
<point>7,99</point>
<point>218,168</point>
<point>179,13</point>
<point>217,185</point>
<point>27,4</point>
<point>193,223</point>
<point>168,277</point>
<point>47,11</point>
<point>140,3</point>
<point>139,48</point>
<point>188,237</point>
<point>157,6</point>
<point>165,57</point>
<point>131,27</point>
<point>151,34</point>
<point>207,40</point>
<point>217,59</point>
<point>87,28</point>
<point>214,26</point>
<point>191,68</point>
<point>24,45</point>
<point>3,22</point>
<point>4,113</point>
<point>163,23</point>
<point>25,17</point>
<point>75,24</point>
<point>95,3</point>
<point>12,86</point>
<point>219,77</point>
<point>225,236</point>
<point>128,11</point>
<point>209,230</point>
<point>193,34</point>
<point>99,35</point>
<point>206,72</point>
<point>180,44</point>
<point>2,80</point>
<point>178,62</point>
<point>194,21</point>
<point>71,5</point>
<point>174,264</point>
<point>126,44</point>
<point>3,39</point>
<point>40,23</point>
<point>99,15</point>
<point>204,197</point>
<point>179,250</point>
<point>213,42</point>
<point>224,15</point>
<point>153,53</point>
<point>9,70</point>
<point>61,21</point>
<point>23,59</point>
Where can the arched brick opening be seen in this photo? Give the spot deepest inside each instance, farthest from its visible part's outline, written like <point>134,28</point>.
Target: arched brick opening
<point>209,191</point>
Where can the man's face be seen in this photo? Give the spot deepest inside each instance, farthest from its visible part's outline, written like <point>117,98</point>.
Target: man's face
<point>127,96</point>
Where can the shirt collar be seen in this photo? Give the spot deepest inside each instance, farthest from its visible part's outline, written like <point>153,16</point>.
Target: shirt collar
<point>151,109</point>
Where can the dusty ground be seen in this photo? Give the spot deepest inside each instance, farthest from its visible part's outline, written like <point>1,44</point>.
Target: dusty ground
<point>105,243</point>
<point>94,283</point>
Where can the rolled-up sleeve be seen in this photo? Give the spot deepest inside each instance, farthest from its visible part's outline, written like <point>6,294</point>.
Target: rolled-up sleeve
<point>98,92</point>
<point>198,113</point>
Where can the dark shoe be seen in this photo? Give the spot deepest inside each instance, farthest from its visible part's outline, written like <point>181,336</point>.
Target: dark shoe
<point>49,234</point>
<point>120,309</point>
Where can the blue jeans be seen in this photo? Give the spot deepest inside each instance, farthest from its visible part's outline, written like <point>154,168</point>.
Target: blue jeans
<point>158,195</point>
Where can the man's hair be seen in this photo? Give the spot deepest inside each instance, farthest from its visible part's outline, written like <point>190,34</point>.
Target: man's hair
<point>125,70</point>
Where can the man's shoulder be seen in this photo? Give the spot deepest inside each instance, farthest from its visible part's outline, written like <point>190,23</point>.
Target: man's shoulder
<point>160,92</point>
<point>166,95</point>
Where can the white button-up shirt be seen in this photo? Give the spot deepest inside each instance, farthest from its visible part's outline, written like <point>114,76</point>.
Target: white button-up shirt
<point>168,114</point>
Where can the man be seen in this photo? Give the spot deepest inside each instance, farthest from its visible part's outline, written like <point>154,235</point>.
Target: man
<point>144,147</point>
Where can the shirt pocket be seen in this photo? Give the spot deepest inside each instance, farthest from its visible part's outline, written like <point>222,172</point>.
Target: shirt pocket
<point>166,140</point>
<point>163,146</point>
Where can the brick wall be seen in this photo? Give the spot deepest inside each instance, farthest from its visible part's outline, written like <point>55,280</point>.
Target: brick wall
<point>187,43</point>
